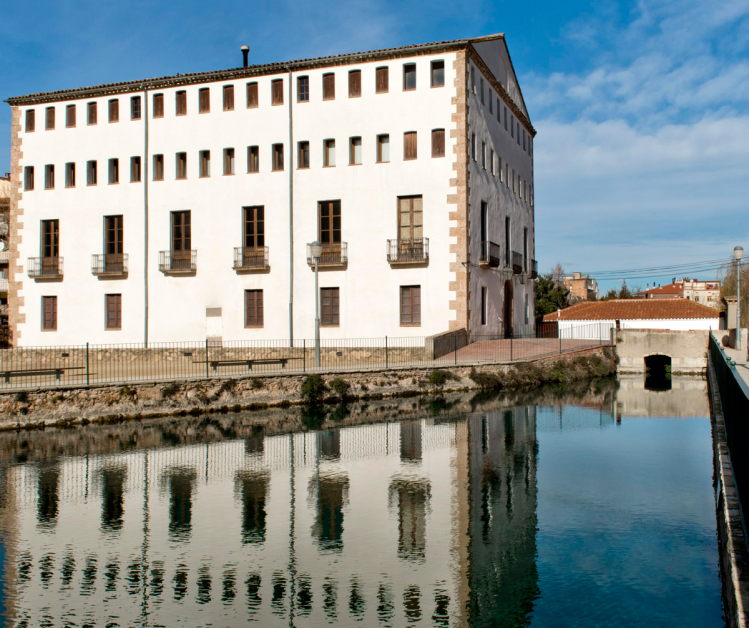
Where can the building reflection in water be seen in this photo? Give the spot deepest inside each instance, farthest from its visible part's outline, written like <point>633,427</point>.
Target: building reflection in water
<point>181,486</point>
<point>47,496</point>
<point>112,498</point>
<point>252,489</point>
<point>410,441</point>
<point>411,498</point>
<point>331,497</point>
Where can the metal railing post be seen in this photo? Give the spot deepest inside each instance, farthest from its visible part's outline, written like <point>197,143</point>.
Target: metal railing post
<point>510,347</point>
<point>304,355</point>
<point>386,352</point>
<point>455,336</point>
<point>87,368</point>
<point>207,373</point>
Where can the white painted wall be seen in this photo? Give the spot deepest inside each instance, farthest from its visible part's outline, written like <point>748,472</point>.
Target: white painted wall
<point>591,329</point>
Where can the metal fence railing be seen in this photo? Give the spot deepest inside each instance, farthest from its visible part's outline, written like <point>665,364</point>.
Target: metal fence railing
<point>81,365</point>
<point>734,401</point>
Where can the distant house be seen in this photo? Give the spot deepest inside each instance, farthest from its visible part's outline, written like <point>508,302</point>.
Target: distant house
<point>585,319</point>
<point>673,290</point>
<point>581,287</point>
<point>707,292</point>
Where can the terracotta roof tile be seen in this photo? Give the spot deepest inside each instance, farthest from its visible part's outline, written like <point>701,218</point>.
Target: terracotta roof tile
<point>633,309</point>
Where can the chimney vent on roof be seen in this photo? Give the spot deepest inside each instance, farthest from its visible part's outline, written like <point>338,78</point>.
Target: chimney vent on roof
<point>245,55</point>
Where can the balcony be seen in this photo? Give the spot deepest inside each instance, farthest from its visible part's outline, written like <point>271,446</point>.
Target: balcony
<point>489,255</point>
<point>178,262</point>
<point>517,263</point>
<point>4,229</point>
<point>251,259</point>
<point>333,254</point>
<point>534,269</point>
<point>3,285</point>
<point>109,265</point>
<point>45,267</point>
<point>414,251</point>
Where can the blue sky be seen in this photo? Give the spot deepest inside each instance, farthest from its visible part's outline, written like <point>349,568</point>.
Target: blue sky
<point>642,108</point>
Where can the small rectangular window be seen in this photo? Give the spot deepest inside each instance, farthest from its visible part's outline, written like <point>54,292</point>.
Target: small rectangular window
<point>135,112</point>
<point>92,113</point>
<point>473,79</point>
<point>228,97</point>
<point>409,145</point>
<point>505,118</point>
<point>517,135</point>
<point>253,159</point>
<point>181,166</point>
<point>205,163</point>
<point>49,124</point>
<point>491,102</point>
<point>483,155</point>
<point>277,91</point>
<point>507,175</point>
<point>303,156</point>
<point>253,308</point>
<point>355,152</point>
<point>491,162</point>
<point>438,143</point>
<point>49,177</point>
<point>113,304</point>
<point>382,81</point>
<point>523,139</point>
<point>473,146</point>
<point>158,167</point>
<point>181,103</point>
<point>329,153</point>
<point>481,89</point>
<point>409,76</point>
<point>513,179</point>
<point>512,127</point>
<point>70,116</point>
<point>114,171</point>
<point>228,161</point>
<point>438,73</point>
<point>158,105</point>
<point>30,120</point>
<point>114,110</point>
<point>383,149</point>
<point>28,178</point>
<point>500,171</point>
<point>49,313</point>
<point>484,305</point>
<point>252,96</point>
<point>204,100</point>
<point>135,168</point>
<point>70,175</point>
<point>302,89</point>
<point>91,173</point>
<point>330,307</point>
<point>354,84</point>
<point>277,157</point>
<point>328,86</point>
<point>499,112</point>
<point>410,306</point>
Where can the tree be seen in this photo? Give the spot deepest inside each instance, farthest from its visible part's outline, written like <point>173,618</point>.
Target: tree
<point>557,274</point>
<point>611,294</point>
<point>624,292</point>
<point>550,296</point>
<point>727,276</point>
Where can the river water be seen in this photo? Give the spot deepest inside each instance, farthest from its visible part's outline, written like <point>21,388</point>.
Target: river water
<point>591,507</point>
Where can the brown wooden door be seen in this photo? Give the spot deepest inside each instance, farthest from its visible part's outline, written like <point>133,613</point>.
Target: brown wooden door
<point>113,245</point>
<point>330,230</point>
<point>50,247</point>
<point>507,310</point>
<point>410,227</point>
<point>253,253</point>
<point>181,241</point>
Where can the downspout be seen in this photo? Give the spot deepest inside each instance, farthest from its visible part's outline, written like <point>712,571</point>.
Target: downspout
<point>145,219</point>
<point>291,216</point>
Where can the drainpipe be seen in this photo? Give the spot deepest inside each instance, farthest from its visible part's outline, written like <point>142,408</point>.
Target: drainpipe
<point>291,216</point>
<point>145,218</point>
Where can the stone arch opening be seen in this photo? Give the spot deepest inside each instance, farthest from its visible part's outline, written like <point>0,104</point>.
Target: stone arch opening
<point>658,372</point>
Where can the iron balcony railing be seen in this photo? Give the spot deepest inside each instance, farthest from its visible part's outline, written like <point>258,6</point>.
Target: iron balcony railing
<point>109,264</point>
<point>248,258</point>
<point>333,254</point>
<point>408,251</point>
<point>45,267</point>
<point>178,261</point>
<point>517,263</point>
<point>489,255</point>
<point>534,269</point>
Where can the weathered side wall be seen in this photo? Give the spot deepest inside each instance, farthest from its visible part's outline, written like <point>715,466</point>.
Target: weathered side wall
<point>687,349</point>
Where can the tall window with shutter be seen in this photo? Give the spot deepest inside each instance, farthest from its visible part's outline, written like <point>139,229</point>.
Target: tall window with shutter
<point>328,86</point>
<point>328,153</point>
<point>28,178</point>
<point>302,89</point>
<point>204,100</point>
<point>30,120</point>
<point>49,313</point>
<point>91,173</point>
<point>438,73</point>
<point>409,145</point>
<point>277,157</point>
<point>410,306</point>
<point>254,227</point>
<point>70,175</point>
<point>205,164</point>
<point>253,308</point>
<point>330,225</point>
<point>135,105</point>
<point>409,77</point>
<point>135,169</point>
<point>50,119</point>
<point>410,223</point>
<point>49,177</point>
<point>383,149</point>
<point>228,97</point>
<point>330,307</point>
<point>303,156</point>
<point>181,165</point>
<point>277,91</point>
<point>355,151</point>
<point>113,243</point>
<point>158,105</point>
<point>114,110</point>
<point>70,116</point>
<point>382,82</point>
<point>181,252</point>
<point>181,103</point>
<point>114,171</point>
<point>253,159</point>
<point>113,304</point>
<point>252,96</point>
<point>92,113</point>
<point>158,167</point>
<point>50,252</point>
<point>228,161</point>
<point>438,143</point>
<point>354,84</point>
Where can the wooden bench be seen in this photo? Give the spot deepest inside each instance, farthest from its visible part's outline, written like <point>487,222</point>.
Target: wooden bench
<point>249,362</point>
<point>56,370</point>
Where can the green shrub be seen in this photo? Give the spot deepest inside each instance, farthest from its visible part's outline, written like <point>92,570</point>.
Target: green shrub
<point>126,391</point>
<point>22,397</point>
<point>256,383</point>
<point>485,381</point>
<point>228,386</point>
<point>438,378</point>
<point>340,388</point>
<point>169,390</point>
<point>313,390</point>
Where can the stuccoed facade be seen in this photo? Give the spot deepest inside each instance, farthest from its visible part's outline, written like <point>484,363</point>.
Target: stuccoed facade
<point>459,288</point>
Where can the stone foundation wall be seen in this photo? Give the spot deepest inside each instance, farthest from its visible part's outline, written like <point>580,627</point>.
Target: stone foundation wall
<point>687,349</point>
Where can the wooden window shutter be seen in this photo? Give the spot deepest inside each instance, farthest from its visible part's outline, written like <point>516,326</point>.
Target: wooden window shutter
<point>50,122</point>
<point>158,105</point>
<point>228,97</point>
<point>382,82</point>
<point>409,145</point>
<point>70,116</point>
<point>354,83</point>
<point>277,92</point>
<point>30,120</point>
<point>49,313</point>
<point>253,308</point>
<point>252,97</point>
<point>329,298</point>
<point>92,117</point>
<point>410,305</point>
<point>114,110</point>
<point>114,311</point>
<point>328,86</point>
<point>438,143</point>
<point>182,103</point>
<point>204,100</point>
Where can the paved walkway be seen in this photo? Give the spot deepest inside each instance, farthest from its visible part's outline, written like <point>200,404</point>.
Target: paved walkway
<point>742,366</point>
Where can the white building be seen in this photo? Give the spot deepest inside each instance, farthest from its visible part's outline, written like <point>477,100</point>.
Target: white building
<point>180,208</point>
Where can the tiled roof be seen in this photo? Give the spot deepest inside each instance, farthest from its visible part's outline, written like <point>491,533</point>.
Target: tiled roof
<point>264,68</point>
<point>667,290</point>
<point>633,309</point>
